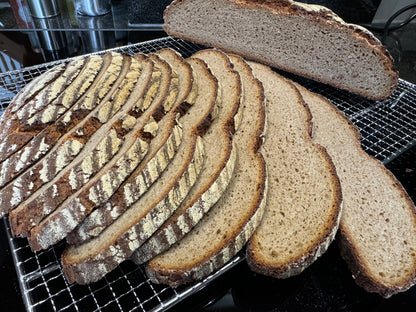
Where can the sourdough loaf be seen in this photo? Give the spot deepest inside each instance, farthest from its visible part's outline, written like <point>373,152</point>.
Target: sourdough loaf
<point>226,227</point>
<point>90,261</point>
<point>36,131</point>
<point>161,150</point>
<point>307,40</point>
<point>47,181</point>
<point>121,141</point>
<point>378,224</point>
<point>218,163</point>
<point>42,151</point>
<point>304,203</point>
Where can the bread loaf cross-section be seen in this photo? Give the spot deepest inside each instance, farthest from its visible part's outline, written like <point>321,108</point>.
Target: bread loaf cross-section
<point>161,151</point>
<point>378,224</point>
<point>90,261</point>
<point>218,164</point>
<point>84,149</point>
<point>90,168</point>
<point>307,40</point>
<point>227,226</point>
<point>304,200</point>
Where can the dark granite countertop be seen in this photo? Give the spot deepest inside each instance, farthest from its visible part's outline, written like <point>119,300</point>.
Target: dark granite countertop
<point>239,289</point>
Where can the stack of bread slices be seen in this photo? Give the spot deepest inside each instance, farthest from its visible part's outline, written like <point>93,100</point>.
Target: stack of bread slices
<point>178,164</point>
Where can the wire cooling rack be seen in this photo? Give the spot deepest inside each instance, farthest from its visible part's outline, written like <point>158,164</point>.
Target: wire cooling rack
<point>388,128</point>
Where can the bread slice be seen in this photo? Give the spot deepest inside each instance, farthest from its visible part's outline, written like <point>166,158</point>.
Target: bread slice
<point>25,95</point>
<point>90,261</point>
<point>161,151</point>
<point>307,40</point>
<point>38,161</point>
<point>378,224</point>
<point>218,164</point>
<point>30,132</point>
<point>90,168</point>
<point>304,200</point>
<point>227,226</point>
<point>33,98</point>
<point>86,148</point>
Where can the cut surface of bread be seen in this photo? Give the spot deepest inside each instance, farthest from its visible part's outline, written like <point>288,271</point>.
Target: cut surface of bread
<point>227,226</point>
<point>378,224</point>
<point>161,151</point>
<point>90,261</point>
<point>304,200</point>
<point>219,161</point>
<point>307,40</point>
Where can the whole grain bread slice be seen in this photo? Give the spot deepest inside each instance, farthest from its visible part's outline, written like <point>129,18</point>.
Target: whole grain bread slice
<point>218,164</point>
<point>129,145</point>
<point>303,206</point>
<point>90,261</point>
<point>47,181</point>
<point>308,40</point>
<point>161,151</point>
<point>30,134</point>
<point>378,223</point>
<point>227,226</point>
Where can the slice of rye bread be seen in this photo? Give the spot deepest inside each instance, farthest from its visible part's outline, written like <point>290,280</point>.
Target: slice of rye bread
<point>378,223</point>
<point>13,138</point>
<point>70,211</point>
<point>304,203</point>
<point>99,188</point>
<point>112,139</point>
<point>40,179</point>
<point>90,261</point>
<point>218,164</point>
<point>161,150</point>
<point>227,226</point>
<point>47,143</point>
<point>25,95</point>
<point>39,130</point>
<point>308,40</point>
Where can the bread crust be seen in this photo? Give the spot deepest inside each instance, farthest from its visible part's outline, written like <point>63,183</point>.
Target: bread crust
<point>317,14</point>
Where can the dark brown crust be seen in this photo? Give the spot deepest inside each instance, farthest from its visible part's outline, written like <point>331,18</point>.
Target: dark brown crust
<point>296,266</point>
<point>324,17</point>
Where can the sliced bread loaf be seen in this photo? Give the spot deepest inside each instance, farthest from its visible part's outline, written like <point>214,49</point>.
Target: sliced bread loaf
<point>227,226</point>
<point>161,150</point>
<point>49,181</point>
<point>40,155</point>
<point>29,132</point>
<point>120,141</point>
<point>378,224</point>
<point>90,261</point>
<point>307,40</point>
<point>304,201</point>
<point>218,164</point>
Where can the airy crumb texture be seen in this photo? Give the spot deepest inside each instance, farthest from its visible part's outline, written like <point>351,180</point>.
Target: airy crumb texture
<point>378,225</point>
<point>307,40</point>
<point>303,206</point>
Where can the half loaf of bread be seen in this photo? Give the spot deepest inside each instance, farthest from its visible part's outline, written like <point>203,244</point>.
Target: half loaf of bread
<point>307,40</point>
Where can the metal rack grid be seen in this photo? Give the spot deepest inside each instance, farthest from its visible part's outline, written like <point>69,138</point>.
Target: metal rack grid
<point>388,128</point>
